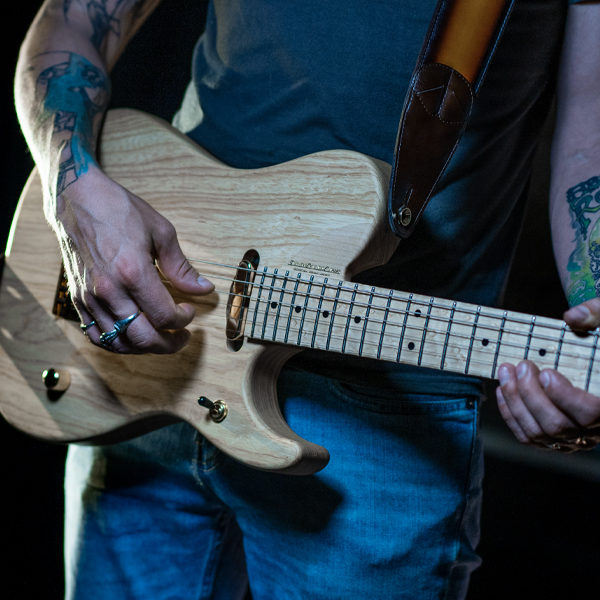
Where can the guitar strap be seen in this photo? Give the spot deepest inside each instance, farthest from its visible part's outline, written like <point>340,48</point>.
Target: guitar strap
<point>457,50</point>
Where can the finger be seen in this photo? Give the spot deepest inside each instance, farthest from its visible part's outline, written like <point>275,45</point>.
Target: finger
<point>87,320</point>
<point>584,316</point>
<point>175,266</point>
<point>509,419</point>
<point>139,336</point>
<point>518,409</point>
<point>105,321</point>
<point>141,283</point>
<point>142,336</point>
<point>552,420</point>
<point>582,407</point>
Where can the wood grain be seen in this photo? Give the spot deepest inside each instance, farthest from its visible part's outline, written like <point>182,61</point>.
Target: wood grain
<point>324,211</point>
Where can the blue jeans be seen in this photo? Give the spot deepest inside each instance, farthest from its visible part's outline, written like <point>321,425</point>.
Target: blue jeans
<point>394,515</point>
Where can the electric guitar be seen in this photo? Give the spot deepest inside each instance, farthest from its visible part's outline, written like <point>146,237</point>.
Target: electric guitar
<point>282,244</point>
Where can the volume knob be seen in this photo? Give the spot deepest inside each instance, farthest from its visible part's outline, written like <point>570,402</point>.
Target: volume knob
<point>56,381</point>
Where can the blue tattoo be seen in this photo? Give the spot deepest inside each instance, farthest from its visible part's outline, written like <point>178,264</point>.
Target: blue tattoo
<point>103,16</point>
<point>584,261</point>
<point>75,91</point>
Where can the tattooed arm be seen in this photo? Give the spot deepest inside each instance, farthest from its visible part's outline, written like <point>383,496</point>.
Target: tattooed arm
<point>544,408</point>
<point>109,238</point>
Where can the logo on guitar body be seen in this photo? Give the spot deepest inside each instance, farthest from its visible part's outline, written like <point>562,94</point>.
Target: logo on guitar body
<point>312,267</point>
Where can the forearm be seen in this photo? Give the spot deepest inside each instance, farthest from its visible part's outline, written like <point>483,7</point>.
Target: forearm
<point>62,82</point>
<point>575,175</point>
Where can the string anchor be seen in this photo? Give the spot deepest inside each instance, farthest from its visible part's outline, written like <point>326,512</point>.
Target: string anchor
<point>216,410</point>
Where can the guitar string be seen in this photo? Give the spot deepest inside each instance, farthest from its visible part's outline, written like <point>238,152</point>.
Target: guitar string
<point>428,358</point>
<point>480,325</point>
<point>505,343</point>
<point>328,285</point>
<point>474,345</point>
<point>536,336</point>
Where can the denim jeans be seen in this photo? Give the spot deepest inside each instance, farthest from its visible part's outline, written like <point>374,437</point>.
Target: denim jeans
<point>395,514</point>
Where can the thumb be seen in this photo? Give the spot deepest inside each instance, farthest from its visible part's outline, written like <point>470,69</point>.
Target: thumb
<point>178,270</point>
<point>584,316</point>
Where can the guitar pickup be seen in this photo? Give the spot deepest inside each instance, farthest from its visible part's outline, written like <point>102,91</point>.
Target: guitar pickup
<point>239,299</point>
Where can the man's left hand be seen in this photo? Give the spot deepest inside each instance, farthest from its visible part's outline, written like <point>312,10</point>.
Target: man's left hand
<point>543,408</point>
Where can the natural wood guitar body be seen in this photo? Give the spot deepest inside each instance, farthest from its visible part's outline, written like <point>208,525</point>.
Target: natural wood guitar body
<point>324,211</point>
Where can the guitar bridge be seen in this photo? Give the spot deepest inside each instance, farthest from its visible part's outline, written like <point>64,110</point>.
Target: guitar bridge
<point>239,299</point>
<point>63,305</point>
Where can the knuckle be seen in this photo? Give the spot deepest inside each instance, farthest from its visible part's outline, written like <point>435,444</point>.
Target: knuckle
<point>184,269</point>
<point>129,272</point>
<point>140,341</point>
<point>85,298</point>
<point>165,230</point>
<point>587,417</point>
<point>102,287</point>
<point>162,318</point>
<point>555,427</point>
<point>594,305</point>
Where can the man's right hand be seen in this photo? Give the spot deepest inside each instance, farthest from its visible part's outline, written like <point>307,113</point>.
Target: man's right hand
<point>112,243</point>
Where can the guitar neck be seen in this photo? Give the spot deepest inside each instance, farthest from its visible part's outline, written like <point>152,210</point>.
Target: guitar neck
<point>311,311</point>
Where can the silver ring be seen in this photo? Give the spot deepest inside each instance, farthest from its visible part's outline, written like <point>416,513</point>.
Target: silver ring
<point>581,442</point>
<point>554,446</point>
<point>119,327</point>
<point>84,327</point>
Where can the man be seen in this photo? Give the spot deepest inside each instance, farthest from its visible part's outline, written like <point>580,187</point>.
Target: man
<point>395,513</point>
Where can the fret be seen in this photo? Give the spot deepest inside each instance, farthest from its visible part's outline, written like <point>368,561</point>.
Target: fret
<point>529,336</point>
<point>423,331</point>
<point>385,318</point>
<point>499,341</point>
<point>468,362</point>
<point>366,322</point>
<point>268,305</point>
<point>292,307</point>
<point>563,331</point>
<point>333,314</point>
<point>403,330</point>
<point>304,310</point>
<point>588,376</point>
<point>454,341</point>
<point>279,304</point>
<point>447,339</point>
<point>258,301</point>
<point>542,341</point>
<point>349,317</point>
<point>318,313</point>
<point>420,358</point>
<point>576,351</point>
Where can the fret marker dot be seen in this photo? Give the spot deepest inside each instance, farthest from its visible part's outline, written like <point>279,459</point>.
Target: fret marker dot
<point>273,304</point>
<point>357,319</point>
<point>542,351</point>
<point>297,308</point>
<point>411,345</point>
<point>485,342</point>
<point>325,313</point>
<point>418,312</point>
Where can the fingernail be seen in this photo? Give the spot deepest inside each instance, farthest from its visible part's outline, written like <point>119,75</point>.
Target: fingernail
<point>206,284</point>
<point>521,370</point>
<point>503,375</point>
<point>544,379</point>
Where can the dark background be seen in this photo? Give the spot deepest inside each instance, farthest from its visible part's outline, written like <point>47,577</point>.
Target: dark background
<point>540,513</point>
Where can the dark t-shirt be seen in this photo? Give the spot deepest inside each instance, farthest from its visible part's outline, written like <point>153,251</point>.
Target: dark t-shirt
<point>274,80</point>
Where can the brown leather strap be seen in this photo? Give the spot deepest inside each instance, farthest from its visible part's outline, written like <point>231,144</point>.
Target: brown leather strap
<point>459,45</point>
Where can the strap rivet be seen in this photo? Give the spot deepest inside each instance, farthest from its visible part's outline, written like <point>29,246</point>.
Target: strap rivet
<point>404,216</point>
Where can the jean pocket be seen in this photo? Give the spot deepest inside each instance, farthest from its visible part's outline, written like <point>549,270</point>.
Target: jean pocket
<point>387,400</point>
